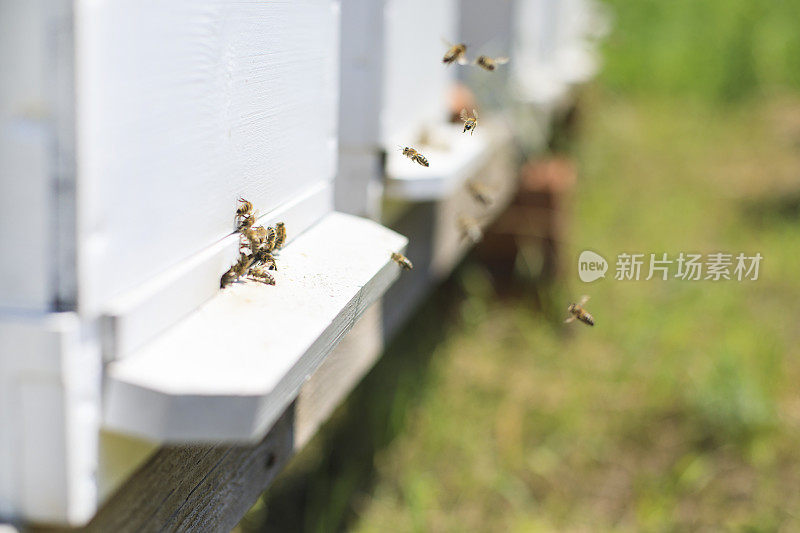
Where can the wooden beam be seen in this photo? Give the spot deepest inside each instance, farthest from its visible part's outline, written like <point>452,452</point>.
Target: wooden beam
<point>196,488</point>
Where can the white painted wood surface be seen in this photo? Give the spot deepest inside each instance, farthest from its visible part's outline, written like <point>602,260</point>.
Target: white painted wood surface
<point>416,82</point>
<point>555,47</point>
<point>229,370</point>
<point>534,68</point>
<point>358,186</point>
<point>393,87</point>
<point>488,29</point>
<point>453,156</point>
<point>50,413</point>
<point>31,95</point>
<point>184,106</point>
<point>363,36</point>
<point>135,317</point>
<point>577,58</point>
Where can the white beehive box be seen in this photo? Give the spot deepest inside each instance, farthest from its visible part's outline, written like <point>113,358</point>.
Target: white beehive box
<point>554,48</point>
<point>128,131</point>
<point>394,93</point>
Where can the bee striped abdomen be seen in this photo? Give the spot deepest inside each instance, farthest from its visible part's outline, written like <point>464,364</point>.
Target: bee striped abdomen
<point>269,240</point>
<point>280,235</point>
<point>586,318</point>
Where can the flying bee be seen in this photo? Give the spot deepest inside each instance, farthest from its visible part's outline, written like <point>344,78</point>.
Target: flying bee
<point>455,53</point>
<point>262,275</point>
<point>480,192</point>
<point>415,156</point>
<point>471,229</point>
<point>577,311</point>
<point>402,260</point>
<point>470,122</point>
<point>490,63</point>
<point>264,257</point>
<point>280,235</point>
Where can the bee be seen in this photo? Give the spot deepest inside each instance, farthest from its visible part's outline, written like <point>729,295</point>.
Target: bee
<point>227,278</point>
<point>255,236</point>
<point>577,311</point>
<point>471,229</point>
<point>470,122</point>
<point>455,53</point>
<point>269,239</point>
<point>264,257</point>
<point>262,275</point>
<point>280,235</point>
<point>402,260</point>
<point>236,271</point>
<point>241,266</point>
<point>490,63</point>
<point>244,210</point>
<point>247,222</point>
<point>480,192</point>
<point>415,156</point>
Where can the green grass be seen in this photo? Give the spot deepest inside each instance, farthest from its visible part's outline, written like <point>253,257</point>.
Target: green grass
<point>713,50</point>
<point>680,410</point>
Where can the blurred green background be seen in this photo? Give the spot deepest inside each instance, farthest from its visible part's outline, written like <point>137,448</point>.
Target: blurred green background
<point>680,410</point>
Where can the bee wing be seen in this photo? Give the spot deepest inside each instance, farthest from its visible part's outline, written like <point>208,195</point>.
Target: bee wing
<point>569,319</point>
<point>447,43</point>
<point>501,60</point>
<point>475,113</point>
<point>463,115</point>
<point>584,299</point>
<point>463,59</point>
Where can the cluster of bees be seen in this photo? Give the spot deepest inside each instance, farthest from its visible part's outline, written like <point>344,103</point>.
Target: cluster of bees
<point>256,247</point>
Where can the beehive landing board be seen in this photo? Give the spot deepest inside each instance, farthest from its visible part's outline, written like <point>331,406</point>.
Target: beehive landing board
<point>229,370</point>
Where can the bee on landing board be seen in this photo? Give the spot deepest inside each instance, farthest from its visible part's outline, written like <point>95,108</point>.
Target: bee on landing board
<point>402,260</point>
<point>262,275</point>
<point>470,122</point>
<point>245,209</point>
<point>490,63</point>
<point>455,53</point>
<point>262,256</point>
<point>577,311</point>
<point>236,271</point>
<point>415,156</point>
<point>255,236</point>
<point>247,222</point>
<point>280,235</point>
<point>269,240</point>
<point>245,215</point>
<point>227,278</point>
